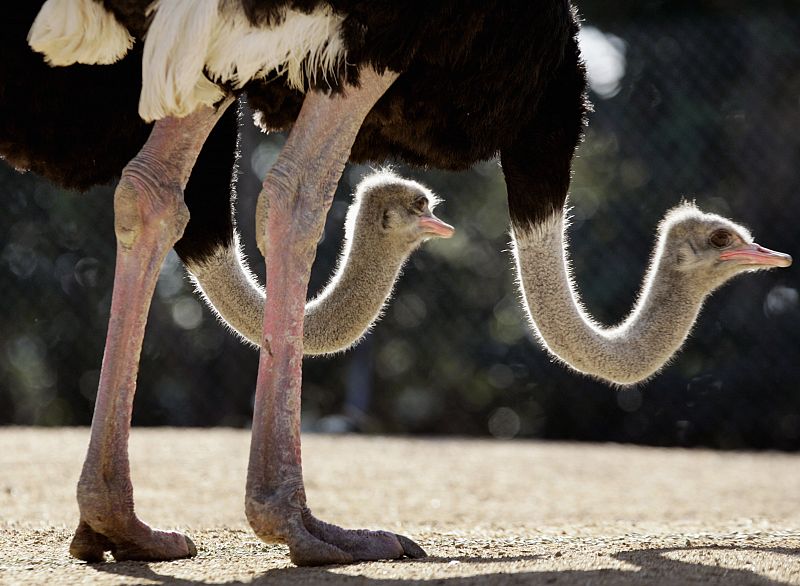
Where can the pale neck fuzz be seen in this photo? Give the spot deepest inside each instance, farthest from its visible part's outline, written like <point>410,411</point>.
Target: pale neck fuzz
<point>626,353</point>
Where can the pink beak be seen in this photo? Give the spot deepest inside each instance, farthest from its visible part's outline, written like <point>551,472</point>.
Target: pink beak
<point>755,254</point>
<point>435,227</point>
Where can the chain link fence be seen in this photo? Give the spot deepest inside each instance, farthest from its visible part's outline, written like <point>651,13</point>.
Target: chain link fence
<point>696,104</point>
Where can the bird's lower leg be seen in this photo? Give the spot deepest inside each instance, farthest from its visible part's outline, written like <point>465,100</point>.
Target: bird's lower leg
<point>276,503</point>
<point>296,197</point>
<point>150,216</point>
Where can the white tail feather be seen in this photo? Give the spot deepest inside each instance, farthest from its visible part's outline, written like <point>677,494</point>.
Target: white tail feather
<point>173,82</point>
<point>78,31</point>
<point>189,38</point>
<point>301,46</point>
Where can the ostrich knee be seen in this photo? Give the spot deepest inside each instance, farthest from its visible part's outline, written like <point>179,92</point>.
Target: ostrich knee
<point>144,203</point>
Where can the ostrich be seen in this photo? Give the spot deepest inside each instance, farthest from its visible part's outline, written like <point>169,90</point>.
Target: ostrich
<point>444,83</point>
<point>388,219</point>
<point>695,253</point>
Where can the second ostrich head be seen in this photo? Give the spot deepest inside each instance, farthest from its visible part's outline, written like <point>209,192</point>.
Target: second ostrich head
<point>708,250</point>
<point>695,253</point>
<point>388,219</point>
<point>393,215</point>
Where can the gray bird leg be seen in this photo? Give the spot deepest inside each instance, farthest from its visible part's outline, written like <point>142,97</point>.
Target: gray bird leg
<point>296,196</point>
<point>149,217</point>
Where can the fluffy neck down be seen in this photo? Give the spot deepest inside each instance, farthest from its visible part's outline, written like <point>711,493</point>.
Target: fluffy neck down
<point>625,354</point>
<point>335,320</point>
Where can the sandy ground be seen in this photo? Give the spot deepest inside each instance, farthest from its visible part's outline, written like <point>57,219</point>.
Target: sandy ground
<point>487,512</point>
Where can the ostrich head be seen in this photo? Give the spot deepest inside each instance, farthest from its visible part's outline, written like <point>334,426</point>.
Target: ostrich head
<point>391,213</point>
<point>709,249</point>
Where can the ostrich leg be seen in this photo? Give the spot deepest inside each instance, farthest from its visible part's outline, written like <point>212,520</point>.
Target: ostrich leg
<point>149,217</point>
<point>297,194</point>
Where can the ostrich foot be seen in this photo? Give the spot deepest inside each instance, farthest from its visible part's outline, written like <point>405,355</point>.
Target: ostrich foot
<point>315,543</point>
<point>139,543</point>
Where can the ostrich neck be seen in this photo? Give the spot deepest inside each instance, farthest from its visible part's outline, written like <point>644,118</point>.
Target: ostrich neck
<point>337,318</point>
<point>627,353</point>
<point>353,299</point>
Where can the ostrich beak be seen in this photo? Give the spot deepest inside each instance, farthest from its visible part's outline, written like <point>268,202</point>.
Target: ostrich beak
<point>433,226</point>
<point>755,254</point>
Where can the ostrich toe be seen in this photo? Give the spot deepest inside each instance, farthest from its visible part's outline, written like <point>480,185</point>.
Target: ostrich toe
<point>145,544</point>
<point>283,517</point>
<point>362,544</point>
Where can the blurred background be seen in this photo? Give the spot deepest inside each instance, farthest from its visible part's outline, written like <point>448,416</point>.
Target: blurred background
<point>695,100</point>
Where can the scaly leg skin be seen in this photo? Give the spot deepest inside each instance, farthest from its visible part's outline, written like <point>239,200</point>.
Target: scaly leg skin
<point>149,217</point>
<point>297,194</point>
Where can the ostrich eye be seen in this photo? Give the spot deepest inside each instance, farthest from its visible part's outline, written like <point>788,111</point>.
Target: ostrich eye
<point>419,205</point>
<point>720,238</point>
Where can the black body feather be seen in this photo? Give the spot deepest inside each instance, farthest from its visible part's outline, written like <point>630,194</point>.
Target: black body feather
<point>78,126</point>
<point>478,78</point>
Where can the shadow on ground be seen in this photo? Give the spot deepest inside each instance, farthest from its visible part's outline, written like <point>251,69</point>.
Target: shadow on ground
<point>651,566</point>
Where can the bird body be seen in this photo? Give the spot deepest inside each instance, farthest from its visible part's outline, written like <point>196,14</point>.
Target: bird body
<point>478,77</point>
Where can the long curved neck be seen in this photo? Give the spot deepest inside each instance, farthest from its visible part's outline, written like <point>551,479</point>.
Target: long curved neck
<point>624,354</point>
<point>352,301</point>
<point>335,320</point>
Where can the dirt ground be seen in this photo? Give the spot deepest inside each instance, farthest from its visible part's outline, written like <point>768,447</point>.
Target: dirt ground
<point>487,512</point>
